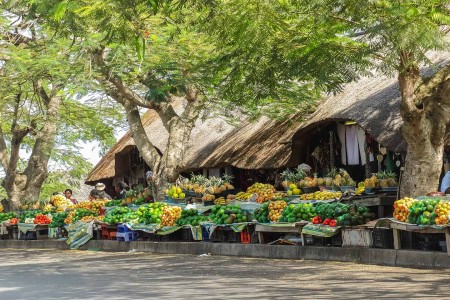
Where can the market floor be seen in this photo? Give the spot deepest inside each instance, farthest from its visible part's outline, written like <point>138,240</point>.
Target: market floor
<point>53,274</point>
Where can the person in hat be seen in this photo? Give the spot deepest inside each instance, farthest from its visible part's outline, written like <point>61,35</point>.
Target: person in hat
<point>100,187</point>
<point>120,189</point>
<point>94,195</point>
<point>149,177</point>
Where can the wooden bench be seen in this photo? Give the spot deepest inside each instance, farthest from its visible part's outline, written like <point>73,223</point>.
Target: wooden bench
<point>396,227</point>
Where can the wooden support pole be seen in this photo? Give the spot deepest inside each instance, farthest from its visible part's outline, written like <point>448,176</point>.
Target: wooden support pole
<point>397,240</point>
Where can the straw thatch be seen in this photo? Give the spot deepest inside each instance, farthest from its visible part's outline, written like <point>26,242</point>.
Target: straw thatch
<point>260,145</point>
<point>372,102</point>
<point>204,137</point>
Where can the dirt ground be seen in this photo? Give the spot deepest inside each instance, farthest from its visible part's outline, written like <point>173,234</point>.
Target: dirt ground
<point>52,274</point>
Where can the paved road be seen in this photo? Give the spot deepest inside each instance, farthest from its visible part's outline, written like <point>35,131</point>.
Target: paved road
<point>52,274</point>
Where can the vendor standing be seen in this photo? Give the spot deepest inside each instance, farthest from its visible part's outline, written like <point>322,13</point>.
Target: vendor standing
<point>68,194</point>
<point>445,184</point>
<point>100,187</point>
<point>121,189</point>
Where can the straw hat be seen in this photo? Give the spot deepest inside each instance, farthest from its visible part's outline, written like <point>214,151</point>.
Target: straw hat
<point>100,186</point>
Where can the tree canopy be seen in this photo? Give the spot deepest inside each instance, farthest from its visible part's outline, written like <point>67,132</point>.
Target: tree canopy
<point>36,68</point>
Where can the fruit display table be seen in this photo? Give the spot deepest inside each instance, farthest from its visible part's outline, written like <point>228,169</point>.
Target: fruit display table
<point>40,230</point>
<point>397,227</point>
<point>381,201</point>
<point>262,229</point>
<point>8,231</point>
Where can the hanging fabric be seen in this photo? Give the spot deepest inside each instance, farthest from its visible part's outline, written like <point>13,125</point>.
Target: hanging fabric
<point>389,163</point>
<point>351,143</point>
<point>361,134</point>
<point>341,135</point>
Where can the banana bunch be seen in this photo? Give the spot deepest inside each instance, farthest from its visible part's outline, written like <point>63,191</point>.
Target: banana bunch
<point>325,195</point>
<point>360,191</point>
<point>242,196</point>
<point>221,201</point>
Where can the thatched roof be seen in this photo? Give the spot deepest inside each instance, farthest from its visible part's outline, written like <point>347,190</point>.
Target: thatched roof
<point>258,145</point>
<point>205,136</point>
<point>372,102</point>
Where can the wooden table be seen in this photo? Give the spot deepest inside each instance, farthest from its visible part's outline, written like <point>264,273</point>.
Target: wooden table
<point>37,229</point>
<point>396,227</point>
<point>287,228</point>
<point>381,201</point>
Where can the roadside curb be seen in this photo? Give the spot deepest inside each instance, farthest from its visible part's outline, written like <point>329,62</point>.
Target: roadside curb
<point>388,257</point>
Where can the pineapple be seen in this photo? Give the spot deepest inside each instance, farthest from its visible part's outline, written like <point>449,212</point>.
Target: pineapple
<point>382,176</point>
<point>369,183</point>
<point>328,181</point>
<point>374,181</point>
<point>320,181</point>
<point>337,181</point>
<point>391,178</point>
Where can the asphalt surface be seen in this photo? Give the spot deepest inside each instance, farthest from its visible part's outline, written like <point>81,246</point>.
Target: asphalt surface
<point>53,274</point>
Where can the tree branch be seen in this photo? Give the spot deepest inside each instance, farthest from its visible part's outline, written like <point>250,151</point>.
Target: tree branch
<point>16,38</point>
<point>429,86</point>
<point>39,90</point>
<point>4,155</point>
<point>121,91</point>
<point>37,168</point>
<point>145,146</point>
<point>408,78</point>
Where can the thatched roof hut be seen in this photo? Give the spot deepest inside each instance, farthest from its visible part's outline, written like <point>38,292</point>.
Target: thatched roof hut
<point>205,137</point>
<point>373,102</point>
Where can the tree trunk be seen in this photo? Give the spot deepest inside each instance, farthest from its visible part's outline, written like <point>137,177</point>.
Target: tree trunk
<point>423,163</point>
<point>165,168</point>
<point>425,110</point>
<point>26,186</point>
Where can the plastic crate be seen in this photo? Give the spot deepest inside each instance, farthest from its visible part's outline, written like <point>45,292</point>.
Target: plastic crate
<point>109,232</point>
<point>383,238</point>
<point>186,235</point>
<point>229,236</point>
<point>356,237</point>
<point>245,237</point>
<point>205,235</point>
<point>216,237</point>
<point>172,237</point>
<point>126,234</point>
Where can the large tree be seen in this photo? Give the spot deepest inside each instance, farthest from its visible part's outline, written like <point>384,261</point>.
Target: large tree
<point>331,42</point>
<point>143,61</point>
<point>42,117</point>
<point>146,54</point>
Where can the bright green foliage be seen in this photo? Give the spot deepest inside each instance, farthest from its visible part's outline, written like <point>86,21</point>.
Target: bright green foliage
<point>391,27</point>
<point>37,64</point>
<point>151,54</point>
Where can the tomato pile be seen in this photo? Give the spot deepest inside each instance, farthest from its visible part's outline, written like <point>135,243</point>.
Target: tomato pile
<point>42,219</point>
